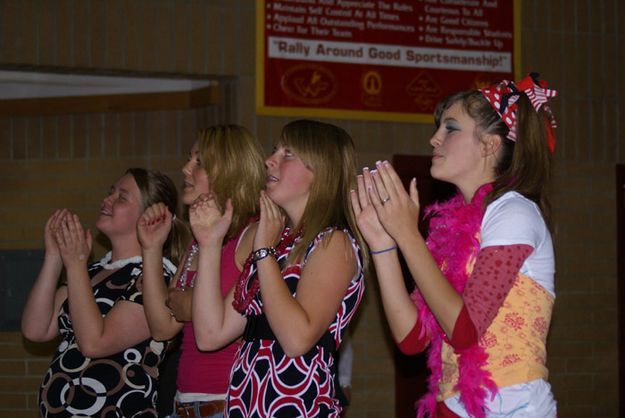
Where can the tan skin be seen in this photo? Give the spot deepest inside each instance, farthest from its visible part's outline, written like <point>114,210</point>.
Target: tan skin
<point>167,308</point>
<point>395,222</point>
<point>298,322</point>
<point>69,244</point>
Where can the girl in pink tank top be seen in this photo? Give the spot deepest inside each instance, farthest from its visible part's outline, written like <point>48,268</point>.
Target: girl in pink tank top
<point>225,164</point>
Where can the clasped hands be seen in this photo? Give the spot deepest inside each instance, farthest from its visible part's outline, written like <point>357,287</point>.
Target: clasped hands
<point>384,210</point>
<point>65,237</point>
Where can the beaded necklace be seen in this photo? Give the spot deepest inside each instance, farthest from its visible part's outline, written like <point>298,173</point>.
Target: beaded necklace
<point>181,283</point>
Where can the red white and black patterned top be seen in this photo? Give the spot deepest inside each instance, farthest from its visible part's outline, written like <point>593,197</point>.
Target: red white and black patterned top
<point>265,382</point>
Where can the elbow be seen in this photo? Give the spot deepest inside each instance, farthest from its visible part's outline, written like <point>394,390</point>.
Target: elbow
<point>34,334</point>
<point>162,336</point>
<point>207,341</point>
<point>164,333</point>
<point>297,347</point>
<point>90,350</point>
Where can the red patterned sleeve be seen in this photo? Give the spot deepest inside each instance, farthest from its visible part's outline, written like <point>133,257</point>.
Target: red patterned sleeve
<point>493,276</point>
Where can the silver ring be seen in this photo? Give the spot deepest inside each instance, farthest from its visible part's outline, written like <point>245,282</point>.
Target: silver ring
<point>385,200</point>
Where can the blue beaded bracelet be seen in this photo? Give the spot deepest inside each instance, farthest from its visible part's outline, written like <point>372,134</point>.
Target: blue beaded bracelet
<point>394,247</point>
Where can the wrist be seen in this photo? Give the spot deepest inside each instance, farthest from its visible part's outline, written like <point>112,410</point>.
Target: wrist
<point>156,252</point>
<point>383,250</point>
<point>263,253</point>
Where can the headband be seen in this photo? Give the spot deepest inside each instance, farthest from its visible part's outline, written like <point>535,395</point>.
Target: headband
<point>503,98</point>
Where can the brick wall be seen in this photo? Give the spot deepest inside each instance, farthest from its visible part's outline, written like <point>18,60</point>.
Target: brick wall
<point>576,44</point>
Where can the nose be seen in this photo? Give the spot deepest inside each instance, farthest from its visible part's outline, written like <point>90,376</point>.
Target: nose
<point>186,169</point>
<point>435,141</point>
<point>270,162</point>
<point>108,199</point>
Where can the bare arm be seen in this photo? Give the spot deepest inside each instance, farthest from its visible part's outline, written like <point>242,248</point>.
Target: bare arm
<point>39,319</point>
<point>298,323</point>
<point>400,310</point>
<point>215,322</point>
<point>124,326</point>
<point>152,230</point>
<point>399,216</point>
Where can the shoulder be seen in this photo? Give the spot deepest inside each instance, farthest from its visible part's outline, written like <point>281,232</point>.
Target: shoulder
<point>513,206</point>
<point>513,218</point>
<point>333,242</point>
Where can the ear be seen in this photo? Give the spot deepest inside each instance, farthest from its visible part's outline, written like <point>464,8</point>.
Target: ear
<point>491,144</point>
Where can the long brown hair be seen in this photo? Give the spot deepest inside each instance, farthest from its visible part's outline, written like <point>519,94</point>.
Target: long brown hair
<point>330,154</point>
<point>234,162</point>
<point>523,165</point>
<point>156,187</point>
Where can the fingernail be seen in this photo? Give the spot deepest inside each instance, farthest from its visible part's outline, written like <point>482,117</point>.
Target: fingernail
<point>365,169</point>
<point>374,172</point>
<point>378,162</point>
<point>386,162</point>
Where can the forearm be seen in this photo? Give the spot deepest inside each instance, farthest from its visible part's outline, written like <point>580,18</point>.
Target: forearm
<point>86,317</point>
<point>208,308</point>
<point>288,320</point>
<point>163,325</point>
<point>401,312</point>
<point>442,299</point>
<point>39,316</point>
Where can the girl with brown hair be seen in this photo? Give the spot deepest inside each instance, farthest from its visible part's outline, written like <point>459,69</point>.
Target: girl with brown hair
<point>106,364</point>
<point>485,275</point>
<point>301,285</point>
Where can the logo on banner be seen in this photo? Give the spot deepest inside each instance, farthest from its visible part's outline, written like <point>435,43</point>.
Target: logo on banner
<point>483,80</point>
<point>372,88</point>
<point>424,91</point>
<point>309,83</point>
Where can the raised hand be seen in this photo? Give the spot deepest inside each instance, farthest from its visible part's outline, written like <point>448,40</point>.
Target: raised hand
<point>153,226</point>
<point>52,226</point>
<point>397,209</point>
<point>208,224</point>
<point>73,241</point>
<point>270,225</point>
<point>366,215</point>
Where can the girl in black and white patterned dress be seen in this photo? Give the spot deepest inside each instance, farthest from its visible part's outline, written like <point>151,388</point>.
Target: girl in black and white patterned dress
<point>106,364</point>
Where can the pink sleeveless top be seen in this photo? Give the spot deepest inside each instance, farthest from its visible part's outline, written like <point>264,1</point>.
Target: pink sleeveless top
<point>208,372</point>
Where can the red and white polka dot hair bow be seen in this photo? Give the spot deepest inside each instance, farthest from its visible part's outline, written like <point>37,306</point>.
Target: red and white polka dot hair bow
<point>503,97</point>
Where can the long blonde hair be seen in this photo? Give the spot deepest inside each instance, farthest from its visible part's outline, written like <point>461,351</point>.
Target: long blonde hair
<point>328,151</point>
<point>234,162</point>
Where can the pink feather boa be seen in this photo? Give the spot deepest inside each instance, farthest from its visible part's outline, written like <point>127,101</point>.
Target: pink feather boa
<point>454,242</point>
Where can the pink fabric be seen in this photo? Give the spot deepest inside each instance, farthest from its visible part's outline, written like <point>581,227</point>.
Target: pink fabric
<point>454,244</point>
<point>209,372</point>
<point>494,274</point>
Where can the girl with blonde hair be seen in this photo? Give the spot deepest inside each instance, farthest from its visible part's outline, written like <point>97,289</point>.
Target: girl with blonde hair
<point>225,165</point>
<point>301,286</point>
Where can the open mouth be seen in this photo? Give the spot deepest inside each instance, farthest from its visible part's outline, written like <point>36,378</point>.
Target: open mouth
<point>272,178</point>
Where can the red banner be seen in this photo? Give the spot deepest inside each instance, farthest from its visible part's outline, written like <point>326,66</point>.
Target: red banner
<point>390,60</point>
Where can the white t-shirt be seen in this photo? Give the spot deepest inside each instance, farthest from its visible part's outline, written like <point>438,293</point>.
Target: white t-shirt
<point>514,219</point>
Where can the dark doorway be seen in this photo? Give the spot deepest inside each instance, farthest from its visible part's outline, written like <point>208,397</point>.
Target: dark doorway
<point>411,372</point>
<point>620,268</point>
